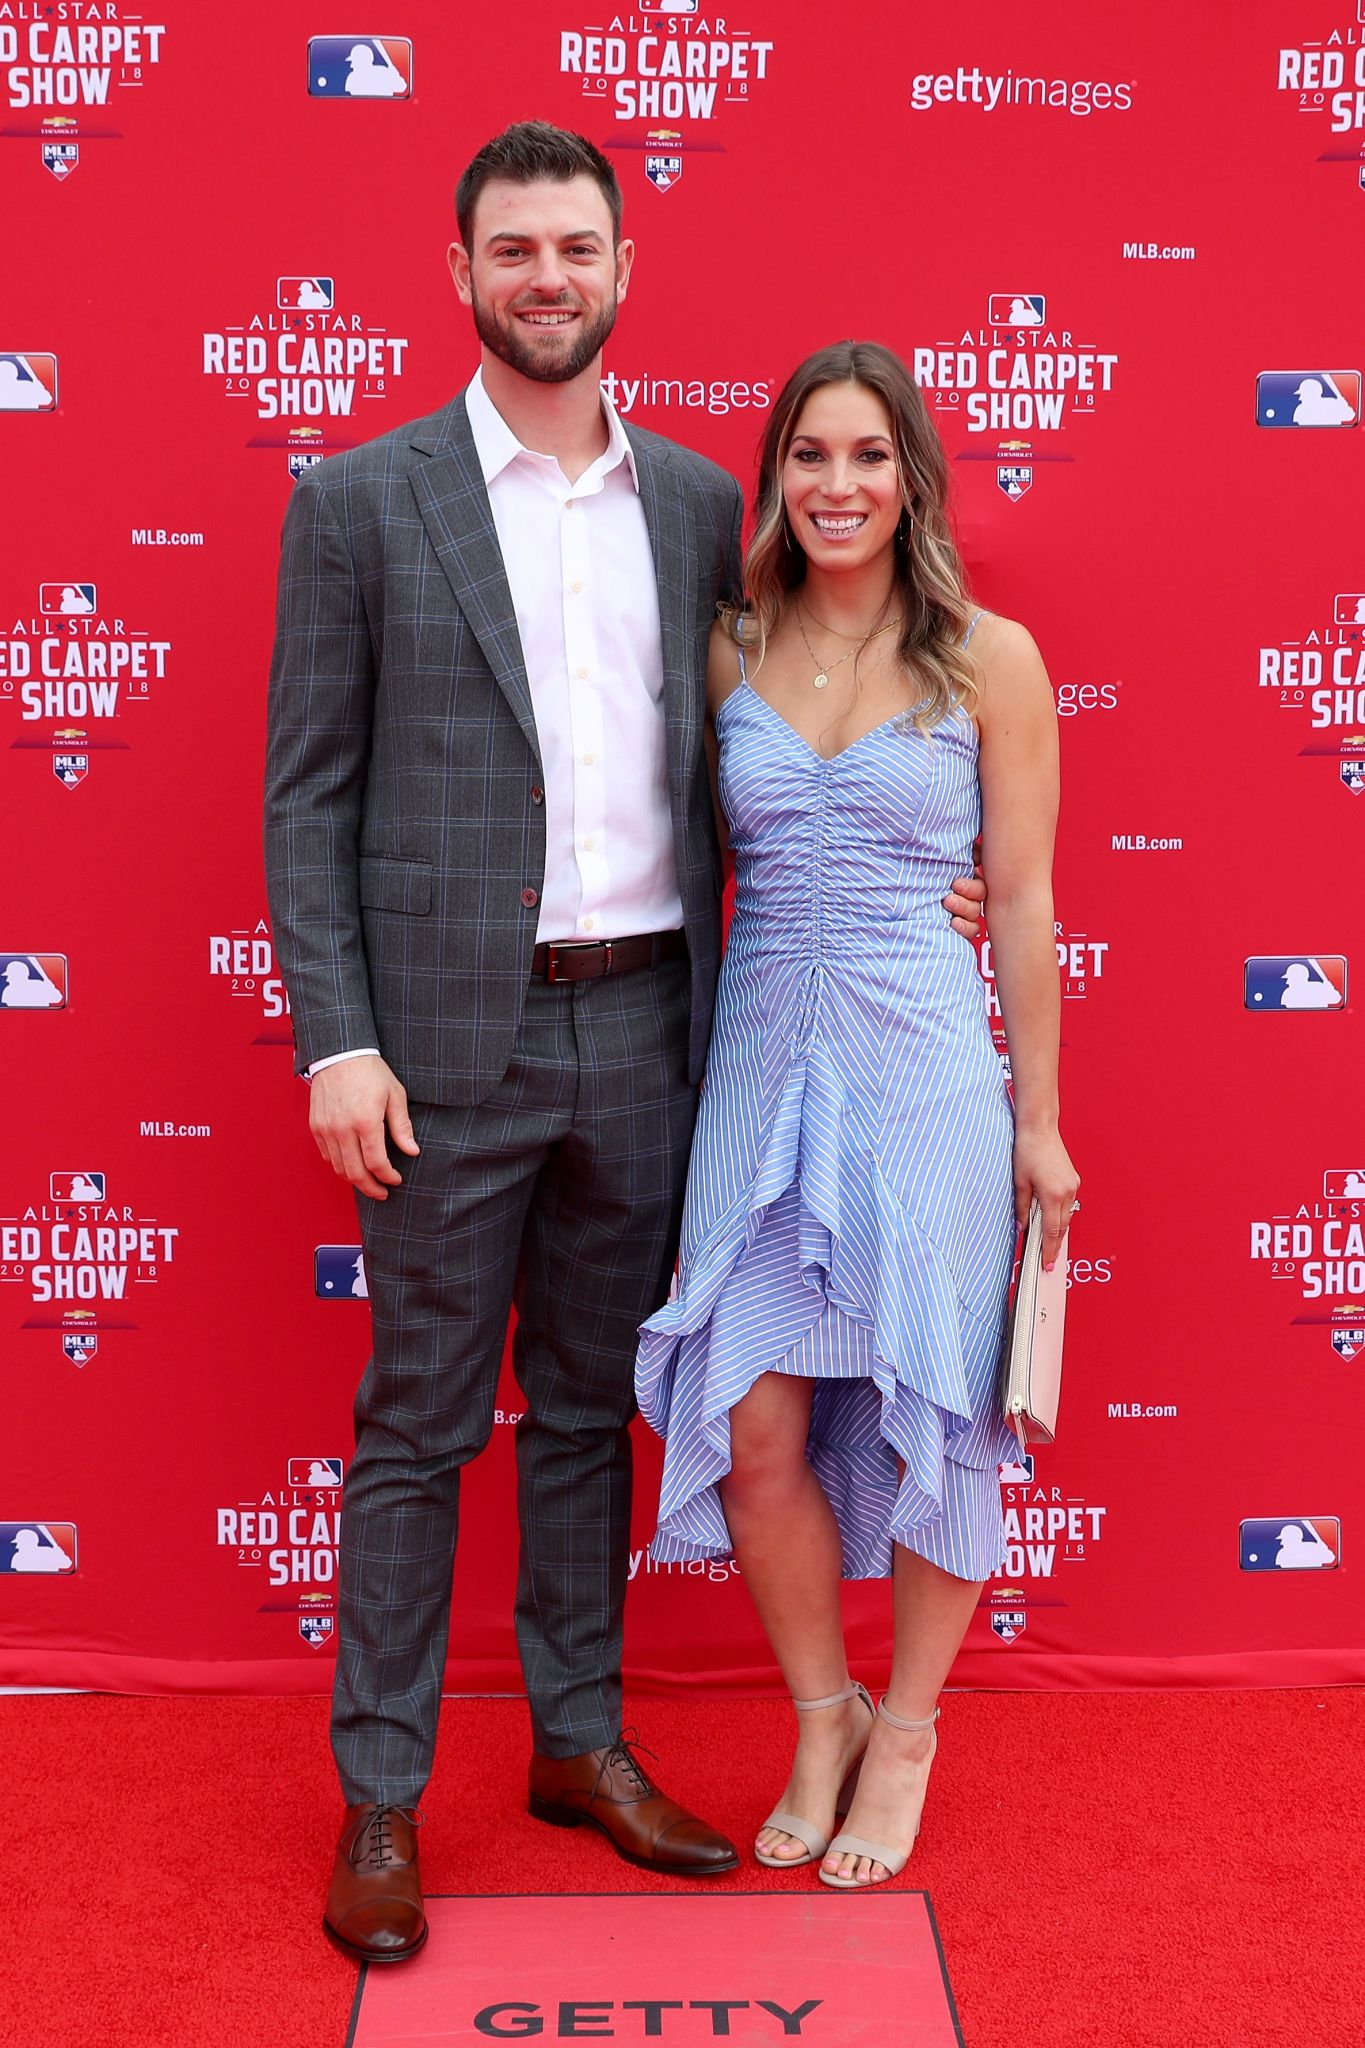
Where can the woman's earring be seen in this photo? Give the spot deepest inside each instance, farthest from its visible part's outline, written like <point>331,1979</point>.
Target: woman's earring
<point>903,525</point>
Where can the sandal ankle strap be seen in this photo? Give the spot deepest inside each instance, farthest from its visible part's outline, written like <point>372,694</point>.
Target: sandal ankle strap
<point>851,1691</point>
<point>898,1720</point>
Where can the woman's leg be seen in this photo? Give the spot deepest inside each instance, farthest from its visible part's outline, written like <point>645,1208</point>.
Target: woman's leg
<point>787,1541</point>
<point>932,1609</point>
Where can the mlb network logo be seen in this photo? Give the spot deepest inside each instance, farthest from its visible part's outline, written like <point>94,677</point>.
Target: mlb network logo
<point>37,1546</point>
<point>1295,981</point>
<point>306,1472</point>
<point>28,381</point>
<point>32,981</point>
<point>1291,1543</point>
<point>1308,398</point>
<point>339,1273</point>
<point>1017,309</point>
<point>359,68</point>
<point>309,293</point>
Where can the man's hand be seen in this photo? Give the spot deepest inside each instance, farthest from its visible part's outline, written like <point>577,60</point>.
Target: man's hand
<point>963,903</point>
<point>349,1106</point>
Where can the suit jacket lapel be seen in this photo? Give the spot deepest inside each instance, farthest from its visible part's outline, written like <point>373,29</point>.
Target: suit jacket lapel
<point>453,501</point>
<point>669,524</point>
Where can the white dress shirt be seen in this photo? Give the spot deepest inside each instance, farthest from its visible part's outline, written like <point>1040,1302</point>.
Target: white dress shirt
<point>581,574</point>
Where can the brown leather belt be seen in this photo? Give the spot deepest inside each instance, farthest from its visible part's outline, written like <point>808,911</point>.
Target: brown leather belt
<point>567,960</point>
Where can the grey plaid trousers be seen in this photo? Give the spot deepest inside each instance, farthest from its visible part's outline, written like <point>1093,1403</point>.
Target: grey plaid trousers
<point>561,1191</point>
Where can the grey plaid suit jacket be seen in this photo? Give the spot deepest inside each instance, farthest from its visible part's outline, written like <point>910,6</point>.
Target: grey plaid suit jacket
<point>402,837</point>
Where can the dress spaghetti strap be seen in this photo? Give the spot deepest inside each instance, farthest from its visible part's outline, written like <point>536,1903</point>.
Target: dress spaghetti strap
<point>972,626</point>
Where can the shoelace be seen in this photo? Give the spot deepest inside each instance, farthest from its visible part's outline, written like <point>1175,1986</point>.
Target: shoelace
<point>622,1752</point>
<point>375,1833</point>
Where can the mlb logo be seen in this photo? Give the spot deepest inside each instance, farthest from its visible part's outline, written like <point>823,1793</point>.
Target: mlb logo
<point>1017,1471</point>
<point>309,293</point>
<point>663,172</point>
<point>1295,981</point>
<point>1291,1543</point>
<point>33,981</point>
<point>681,6</point>
<point>67,600</point>
<point>1014,478</point>
<point>1008,1624</point>
<point>1017,309</point>
<point>300,460</point>
<point>28,382</point>
<point>1352,773</point>
<point>339,1273</point>
<point>61,158</point>
<point>316,1629</point>
<point>1348,608</point>
<point>37,1546</point>
<point>1348,1343</point>
<point>77,1187</point>
<point>78,1345</point>
<point>304,1472</point>
<point>1308,398</point>
<point>71,769</point>
<point>359,68</point>
<point>1344,1184</point>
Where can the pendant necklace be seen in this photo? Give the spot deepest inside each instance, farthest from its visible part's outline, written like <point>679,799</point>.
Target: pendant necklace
<point>820,680</point>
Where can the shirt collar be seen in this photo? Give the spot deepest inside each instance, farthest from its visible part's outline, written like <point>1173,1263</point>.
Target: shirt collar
<point>497,446</point>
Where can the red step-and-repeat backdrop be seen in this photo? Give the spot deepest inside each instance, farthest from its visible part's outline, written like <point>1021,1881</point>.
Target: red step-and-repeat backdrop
<point>1122,249</point>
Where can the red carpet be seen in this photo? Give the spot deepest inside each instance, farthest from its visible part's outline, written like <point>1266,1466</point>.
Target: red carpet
<point>1126,1870</point>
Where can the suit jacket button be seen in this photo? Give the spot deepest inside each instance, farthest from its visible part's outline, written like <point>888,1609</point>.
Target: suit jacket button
<point>537,796</point>
<point>530,898</point>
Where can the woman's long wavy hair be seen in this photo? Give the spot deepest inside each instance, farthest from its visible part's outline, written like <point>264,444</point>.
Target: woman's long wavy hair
<point>930,583</point>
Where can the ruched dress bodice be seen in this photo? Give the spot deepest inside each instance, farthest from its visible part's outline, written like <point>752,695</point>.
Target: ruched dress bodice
<point>850,1208</point>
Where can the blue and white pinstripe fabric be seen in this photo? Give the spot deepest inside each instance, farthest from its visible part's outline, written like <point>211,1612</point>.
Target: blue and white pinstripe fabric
<point>850,1205</point>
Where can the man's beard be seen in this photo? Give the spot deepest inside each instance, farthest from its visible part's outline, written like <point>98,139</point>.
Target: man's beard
<point>522,353</point>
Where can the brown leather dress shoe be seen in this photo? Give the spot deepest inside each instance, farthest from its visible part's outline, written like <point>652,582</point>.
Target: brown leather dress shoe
<point>374,1903</point>
<point>610,1790</point>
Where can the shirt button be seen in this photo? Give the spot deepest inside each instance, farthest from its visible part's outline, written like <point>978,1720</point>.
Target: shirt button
<point>587,924</point>
<point>575,588</point>
<point>537,796</point>
<point>588,760</point>
<point>582,671</point>
<point>588,845</point>
<point>530,898</point>
<point>568,504</point>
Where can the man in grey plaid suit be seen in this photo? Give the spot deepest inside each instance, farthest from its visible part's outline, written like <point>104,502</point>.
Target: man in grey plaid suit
<point>495,894</point>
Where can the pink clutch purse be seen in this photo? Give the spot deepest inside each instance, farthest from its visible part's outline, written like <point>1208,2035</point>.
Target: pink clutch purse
<point>1032,1371</point>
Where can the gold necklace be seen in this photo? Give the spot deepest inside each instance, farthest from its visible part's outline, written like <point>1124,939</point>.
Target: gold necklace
<point>820,680</point>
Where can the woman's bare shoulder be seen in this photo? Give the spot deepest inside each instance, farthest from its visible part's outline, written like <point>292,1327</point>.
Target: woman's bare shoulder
<point>1014,680</point>
<point>998,642</point>
<point>723,672</point>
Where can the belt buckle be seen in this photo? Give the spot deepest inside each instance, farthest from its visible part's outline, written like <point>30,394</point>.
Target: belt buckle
<point>577,946</point>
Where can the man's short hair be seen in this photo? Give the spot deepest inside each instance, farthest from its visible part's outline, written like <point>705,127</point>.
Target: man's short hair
<point>530,153</point>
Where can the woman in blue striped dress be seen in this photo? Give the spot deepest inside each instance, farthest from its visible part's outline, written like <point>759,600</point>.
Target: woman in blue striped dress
<point>825,1373</point>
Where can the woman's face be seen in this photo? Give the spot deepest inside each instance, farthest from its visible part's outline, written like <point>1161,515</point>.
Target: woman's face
<point>839,480</point>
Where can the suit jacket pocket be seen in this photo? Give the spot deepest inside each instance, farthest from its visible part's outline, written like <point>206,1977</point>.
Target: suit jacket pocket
<point>387,883</point>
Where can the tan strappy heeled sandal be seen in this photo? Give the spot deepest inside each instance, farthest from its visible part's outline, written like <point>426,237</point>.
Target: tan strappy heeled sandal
<point>794,1824</point>
<point>880,1852</point>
